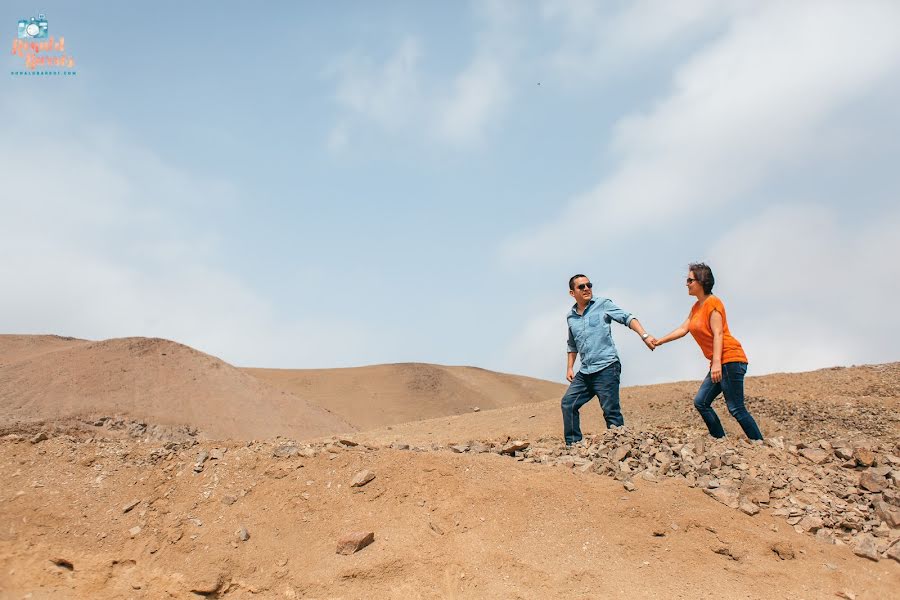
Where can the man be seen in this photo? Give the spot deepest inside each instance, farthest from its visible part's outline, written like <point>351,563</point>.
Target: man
<point>590,335</point>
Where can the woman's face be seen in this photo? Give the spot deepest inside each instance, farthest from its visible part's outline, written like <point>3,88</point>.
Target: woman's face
<point>693,286</point>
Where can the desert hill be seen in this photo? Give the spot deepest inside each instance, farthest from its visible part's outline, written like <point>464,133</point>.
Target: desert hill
<point>48,378</point>
<point>487,504</point>
<point>380,395</point>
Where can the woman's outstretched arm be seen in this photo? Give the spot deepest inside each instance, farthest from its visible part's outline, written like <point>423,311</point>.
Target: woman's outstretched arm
<point>677,333</point>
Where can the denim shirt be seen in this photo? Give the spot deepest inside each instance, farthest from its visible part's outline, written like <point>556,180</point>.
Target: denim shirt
<point>590,334</point>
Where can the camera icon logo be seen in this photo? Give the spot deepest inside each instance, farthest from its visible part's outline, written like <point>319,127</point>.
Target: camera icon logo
<point>34,28</point>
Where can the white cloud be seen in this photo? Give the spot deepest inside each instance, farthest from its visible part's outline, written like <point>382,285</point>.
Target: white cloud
<point>597,41</point>
<point>809,289</point>
<point>387,93</point>
<point>397,96</point>
<point>478,96</point>
<point>745,105</point>
<point>98,242</point>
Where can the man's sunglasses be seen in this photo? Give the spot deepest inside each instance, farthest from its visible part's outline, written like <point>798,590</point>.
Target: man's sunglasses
<point>581,286</point>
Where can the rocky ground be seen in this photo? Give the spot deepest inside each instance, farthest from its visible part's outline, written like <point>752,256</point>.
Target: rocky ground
<point>488,504</point>
<point>111,508</point>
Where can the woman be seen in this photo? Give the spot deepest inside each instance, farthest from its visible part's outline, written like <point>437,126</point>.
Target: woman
<point>728,363</point>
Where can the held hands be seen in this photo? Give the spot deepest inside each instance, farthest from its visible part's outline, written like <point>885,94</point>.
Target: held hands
<point>651,343</point>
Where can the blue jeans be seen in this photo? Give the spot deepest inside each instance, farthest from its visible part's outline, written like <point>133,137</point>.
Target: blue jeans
<point>732,386</point>
<point>605,385</point>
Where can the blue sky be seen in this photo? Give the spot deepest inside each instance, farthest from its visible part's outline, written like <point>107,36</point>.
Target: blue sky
<point>331,185</point>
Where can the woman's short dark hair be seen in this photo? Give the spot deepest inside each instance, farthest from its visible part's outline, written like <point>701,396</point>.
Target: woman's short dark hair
<point>703,274</point>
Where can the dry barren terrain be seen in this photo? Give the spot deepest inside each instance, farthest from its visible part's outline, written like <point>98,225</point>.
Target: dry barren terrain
<point>118,483</point>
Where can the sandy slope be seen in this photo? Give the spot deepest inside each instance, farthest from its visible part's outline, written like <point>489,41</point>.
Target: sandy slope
<point>382,395</point>
<point>446,526</point>
<point>45,377</point>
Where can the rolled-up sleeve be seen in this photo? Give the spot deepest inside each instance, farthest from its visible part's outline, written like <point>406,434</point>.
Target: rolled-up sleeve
<point>570,344</point>
<point>617,314</point>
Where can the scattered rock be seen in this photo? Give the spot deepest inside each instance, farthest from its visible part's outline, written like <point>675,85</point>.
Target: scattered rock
<point>134,531</point>
<point>362,478</point>
<point>130,505</point>
<point>242,534</point>
<point>755,490</point>
<point>865,546</point>
<point>749,508</point>
<point>355,541</point>
<point>229,499</point>
<point>784,550</point>
<point>629,487</point>
<point>894,552</point>
<point>811,523</point>
<point>513,447</point>
<point>217,453</point>
<point>815,455</point>
<point>39,438</point>
<point>887,513</point>
<point>727,495</point>
<point>621,453</point>
<point>864,457</point>
<point>459,448</point>
<point>872,482</point>
<point>285,451</point>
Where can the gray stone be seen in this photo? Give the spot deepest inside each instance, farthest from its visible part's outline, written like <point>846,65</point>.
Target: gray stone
<point>355,541</point>
<point>894,551</point>
<point>459,448</point>
<point>242,534</point>
<point>864,545</point>
<point>755,490</point>
<point>811,523</point>
<point>285,451</point>
<point>727,495</point>
<point>362,478</point>
<point>620,453</point>
<point>748,508</point>
<point>815,455</point>
<point>887,513</point>
<point>844,453</point>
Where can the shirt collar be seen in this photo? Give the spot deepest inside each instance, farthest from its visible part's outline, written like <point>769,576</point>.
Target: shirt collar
<point>586,308</point>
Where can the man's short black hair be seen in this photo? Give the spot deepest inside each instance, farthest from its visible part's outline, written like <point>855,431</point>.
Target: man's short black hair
<point>572,280</point>
<point>704,275</point>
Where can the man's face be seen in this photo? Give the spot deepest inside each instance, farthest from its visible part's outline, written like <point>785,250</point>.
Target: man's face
<point>582,291</point>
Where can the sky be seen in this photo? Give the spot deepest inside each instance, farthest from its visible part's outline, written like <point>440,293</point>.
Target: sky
<point>310,185</point>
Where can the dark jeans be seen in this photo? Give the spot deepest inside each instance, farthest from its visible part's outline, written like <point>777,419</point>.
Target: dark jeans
<point>732,386</point>
<point>605,385</point>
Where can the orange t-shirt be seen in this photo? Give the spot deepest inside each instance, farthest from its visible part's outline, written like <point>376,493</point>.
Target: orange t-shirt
<point>699,327</point>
